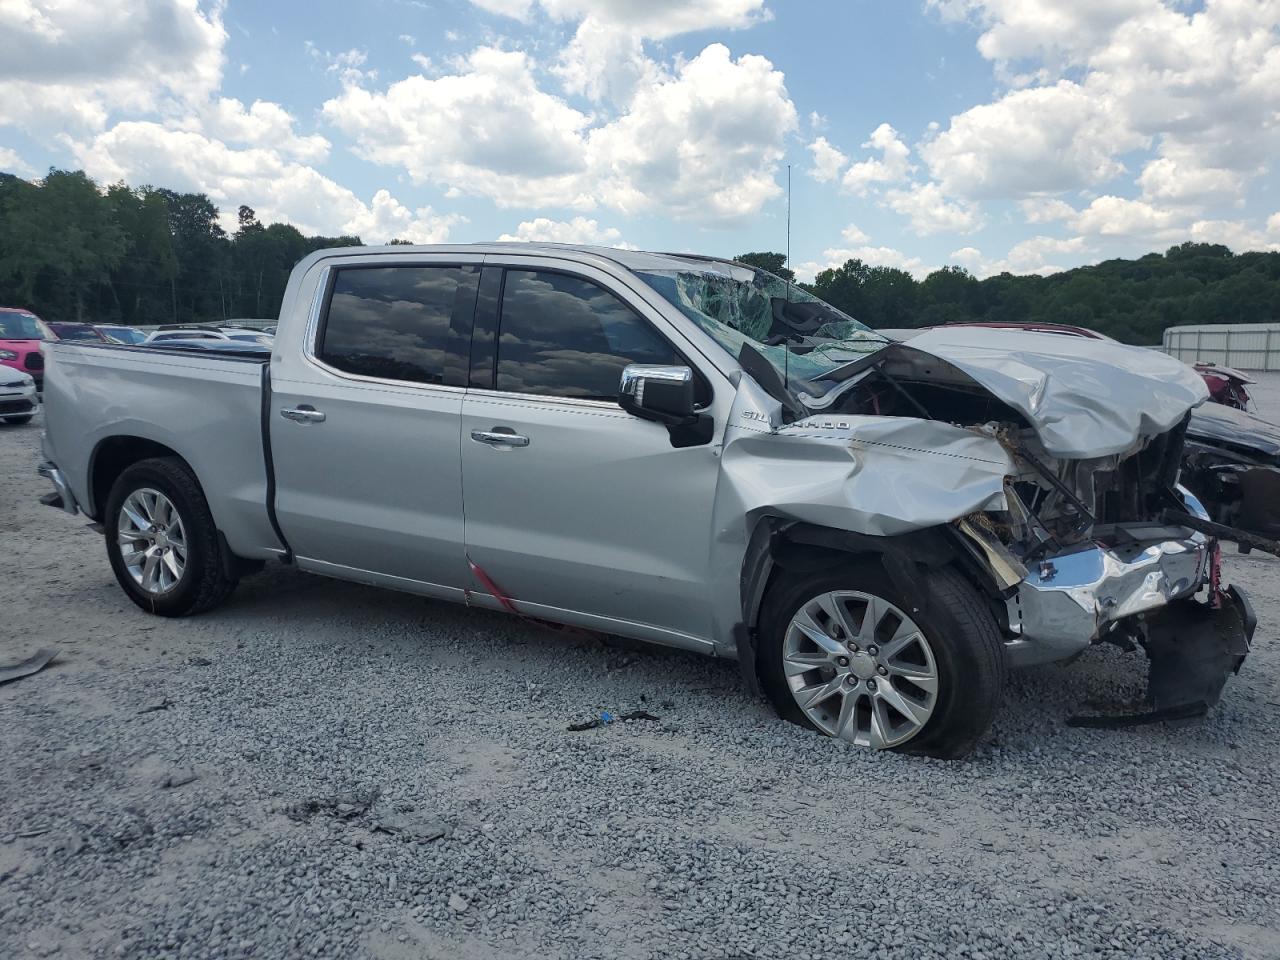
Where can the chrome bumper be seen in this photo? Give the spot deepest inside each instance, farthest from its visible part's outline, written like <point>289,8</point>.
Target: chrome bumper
<point>1070,600</point>
<point>62,496</point>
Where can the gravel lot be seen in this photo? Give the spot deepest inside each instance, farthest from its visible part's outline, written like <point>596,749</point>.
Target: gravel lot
<point>334,732</point>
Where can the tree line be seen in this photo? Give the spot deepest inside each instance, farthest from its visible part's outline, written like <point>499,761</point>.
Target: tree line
<point>139,256</point>
<point>148,255</point>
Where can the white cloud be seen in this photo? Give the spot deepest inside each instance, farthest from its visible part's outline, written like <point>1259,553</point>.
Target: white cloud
<point>579,230</point>
<point>278,189</point>
<point>1273,226</point>
<point>969,257</point>
<point>872,256</point>
<point>262,124</point>
<point>66,67</point>
<point>930,211</point>
<point>894,164</point>
<point>1111,216</point>
<point>10,162</point>
<point>827,161</point>
<point>516,9</point>
<point>654,19</point>
<point>1181,179</point>
<point>1197,81</point>
<point>1236,235</point>
<point>487,130</point>
<point>1045,209</point>
<point>1046,29</point>
<point>1042,140</point>
<point>604,63</point>
<point>852,234</point>
<point>703,145</point>
<point>1034,255</point>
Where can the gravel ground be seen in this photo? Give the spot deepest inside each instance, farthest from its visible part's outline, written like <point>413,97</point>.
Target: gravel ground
<point>378,775</point>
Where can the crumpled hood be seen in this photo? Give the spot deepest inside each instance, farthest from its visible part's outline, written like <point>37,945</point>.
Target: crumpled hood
<point>1086,398</point>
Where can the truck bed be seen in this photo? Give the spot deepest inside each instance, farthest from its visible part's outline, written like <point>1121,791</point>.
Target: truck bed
<point>198,405</point>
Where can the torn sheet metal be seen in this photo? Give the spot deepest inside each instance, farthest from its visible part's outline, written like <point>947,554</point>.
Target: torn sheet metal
<point>1085,398</point>
<point>880,476</point>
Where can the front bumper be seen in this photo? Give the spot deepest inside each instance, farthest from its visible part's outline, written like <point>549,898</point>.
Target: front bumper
<point>62,497</point>
<point>17,401</point>
<point>1070,600</point>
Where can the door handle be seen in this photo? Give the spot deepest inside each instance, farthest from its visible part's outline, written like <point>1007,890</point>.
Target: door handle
<point>500,437</point>
<point>303,414</point>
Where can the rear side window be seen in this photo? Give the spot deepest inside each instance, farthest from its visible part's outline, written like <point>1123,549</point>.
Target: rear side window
<point>393,322</point>
<point>566,337</point>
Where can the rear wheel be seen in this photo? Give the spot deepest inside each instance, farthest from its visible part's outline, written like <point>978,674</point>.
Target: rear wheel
<point>162,541</point>
<point>849,655</point>
<point>18,421</point>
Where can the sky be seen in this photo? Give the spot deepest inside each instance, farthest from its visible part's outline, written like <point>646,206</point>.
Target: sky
<point>1019,135</point>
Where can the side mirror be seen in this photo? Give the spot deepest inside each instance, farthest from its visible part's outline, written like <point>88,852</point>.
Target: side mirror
<point>662,394</point>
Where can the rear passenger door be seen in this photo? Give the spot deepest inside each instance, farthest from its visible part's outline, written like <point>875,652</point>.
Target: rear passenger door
<point>572,505</point>
<point>365,424</point>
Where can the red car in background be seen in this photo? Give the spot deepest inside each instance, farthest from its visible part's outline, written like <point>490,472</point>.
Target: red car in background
<point>1226,385</point>
<point>21,334</point>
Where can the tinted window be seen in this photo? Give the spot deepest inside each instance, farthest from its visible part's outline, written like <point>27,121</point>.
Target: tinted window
<point>393,322</point>
<point>567,337</point>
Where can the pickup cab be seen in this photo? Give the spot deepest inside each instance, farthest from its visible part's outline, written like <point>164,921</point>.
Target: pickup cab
<point>677,449</point>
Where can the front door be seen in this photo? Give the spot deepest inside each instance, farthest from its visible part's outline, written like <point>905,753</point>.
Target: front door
<point>365,426</point>
<point>571,503</point>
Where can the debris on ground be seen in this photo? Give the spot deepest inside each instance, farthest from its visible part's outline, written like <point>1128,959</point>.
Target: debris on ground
<point>162,704</point>
<point>457,904</point>
<point>344,806</point>
<point>24,668</point>
<point>178,778</point>
<point>607,718</point>
<point>199,661</point>
<point>412,827</point>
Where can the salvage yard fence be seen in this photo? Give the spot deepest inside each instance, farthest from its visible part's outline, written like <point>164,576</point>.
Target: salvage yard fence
<point>1247,346</point>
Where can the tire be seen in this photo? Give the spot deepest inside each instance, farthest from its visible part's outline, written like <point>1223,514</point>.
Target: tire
<point>962,646</point>
<point>19,421</point>
<point>204,581</point>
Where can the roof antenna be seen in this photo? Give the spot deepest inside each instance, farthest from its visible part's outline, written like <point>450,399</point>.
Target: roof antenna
<point>788,216</point>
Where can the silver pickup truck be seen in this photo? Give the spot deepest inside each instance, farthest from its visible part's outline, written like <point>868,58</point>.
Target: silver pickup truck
<point>678,449</point>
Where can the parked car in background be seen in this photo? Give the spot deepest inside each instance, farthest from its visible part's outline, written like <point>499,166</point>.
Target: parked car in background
<point>1227,385</point>
<point>21,336</point>
<point>248,336</point>
<point>250,347</point>
<point>77,331</point>
<point>1232,463</point>
<point>17,396</point>
<point>677,449</point>
<point>185,333</point>
<point>121,334</point>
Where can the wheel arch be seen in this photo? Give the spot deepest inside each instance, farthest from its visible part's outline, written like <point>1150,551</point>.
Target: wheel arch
<point>112,456</point>
<point>777,543</point>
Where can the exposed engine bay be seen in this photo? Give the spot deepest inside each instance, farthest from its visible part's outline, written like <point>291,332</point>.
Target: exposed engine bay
<point>1086,549</point>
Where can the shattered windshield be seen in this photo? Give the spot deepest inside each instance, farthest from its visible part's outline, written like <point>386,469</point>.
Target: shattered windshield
<point>801,336</point>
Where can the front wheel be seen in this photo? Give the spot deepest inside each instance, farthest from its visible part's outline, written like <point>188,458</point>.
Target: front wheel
<point>162,541</point>
<point>848,654</point>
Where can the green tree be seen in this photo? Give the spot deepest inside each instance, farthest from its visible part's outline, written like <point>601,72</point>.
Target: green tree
<point>775,263</point>
<point>61,243</point>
